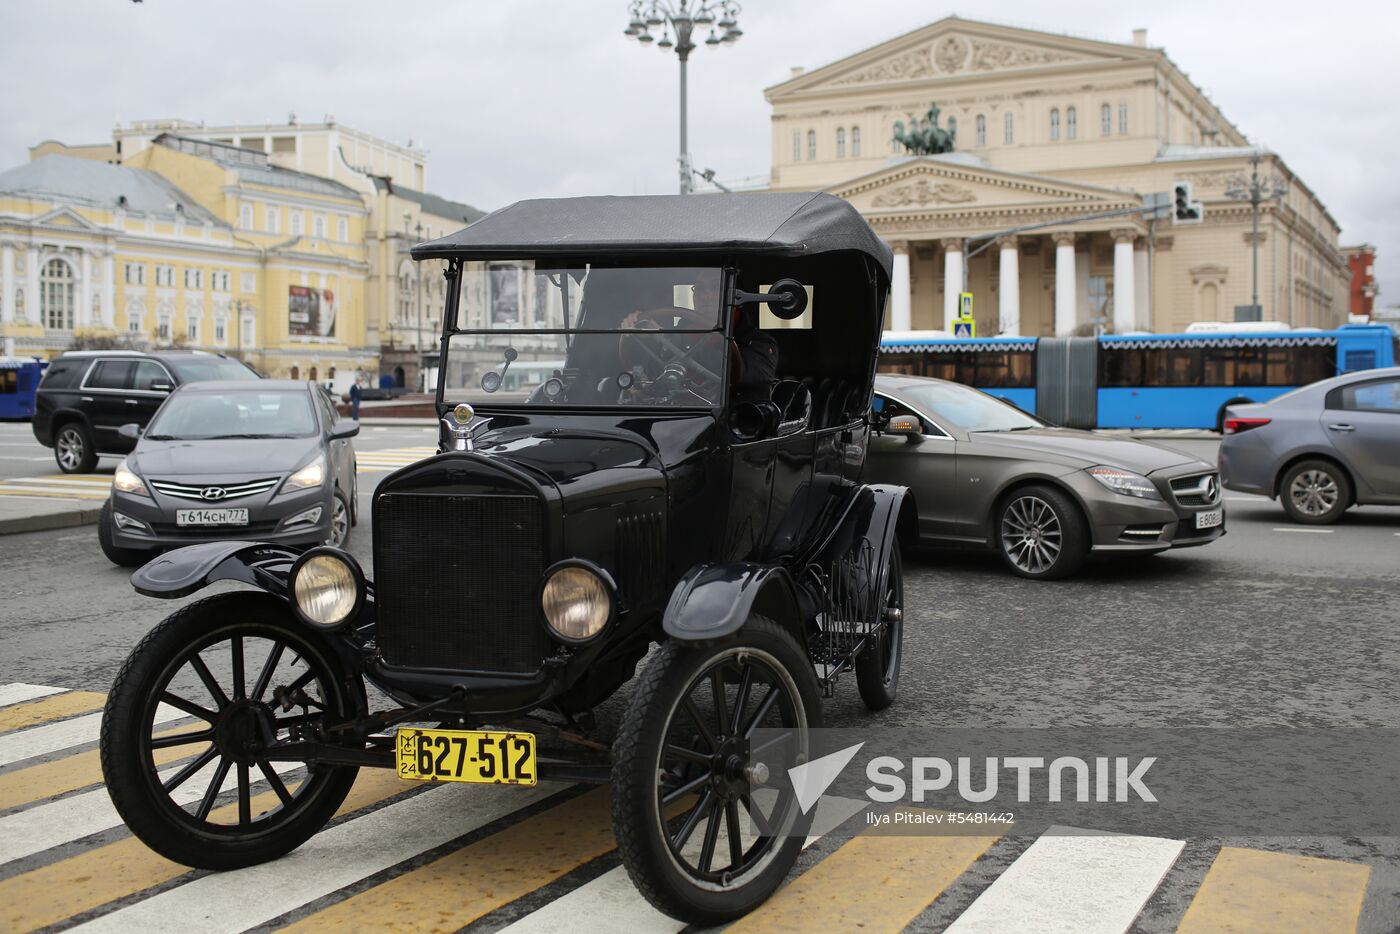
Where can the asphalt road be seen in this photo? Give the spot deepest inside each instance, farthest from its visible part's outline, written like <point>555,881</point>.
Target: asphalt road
<point>1272,626</point>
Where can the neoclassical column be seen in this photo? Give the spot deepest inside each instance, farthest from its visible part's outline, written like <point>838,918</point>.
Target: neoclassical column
<point>1064,283</point>
<point>1009,276</point>
<point>82,315</point>
<point>1124,281</point>
<point>952,279</point>
<point>109,289</point>
<point>7,283</point>
<point>899,289</point>
<point>1142,302</point>
<point>33,311</point>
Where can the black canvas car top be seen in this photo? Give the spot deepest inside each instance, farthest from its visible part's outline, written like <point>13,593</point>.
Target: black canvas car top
<point>783,224</point>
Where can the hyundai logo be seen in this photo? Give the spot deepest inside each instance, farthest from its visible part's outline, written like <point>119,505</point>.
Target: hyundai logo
<point>212,493</point>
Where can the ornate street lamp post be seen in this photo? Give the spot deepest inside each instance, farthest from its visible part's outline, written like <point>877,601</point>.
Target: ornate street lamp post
<point>1256,190</point>
<point>682,17</point>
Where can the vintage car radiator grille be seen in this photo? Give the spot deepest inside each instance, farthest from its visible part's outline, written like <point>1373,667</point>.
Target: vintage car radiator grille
<point>457,581</point>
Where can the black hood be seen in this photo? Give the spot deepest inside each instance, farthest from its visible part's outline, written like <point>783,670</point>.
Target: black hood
<point>263,457</point>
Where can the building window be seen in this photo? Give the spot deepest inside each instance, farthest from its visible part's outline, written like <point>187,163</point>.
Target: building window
<point>221,331</point>
<point>1054,123</point>
<point>194,278</point>
<point>297,220</point>
<point>245,217</point>
<point>247,332</point>
<point>1008,123</point>
<point>192,330</point>
<point>811,145</point>
<point>1071,123</point>
<point>135,273</point>
<point>133,321</point>
<point>1122,119</point>
<point>796,146</point>
<point>342,230</point>
<point>247,282</point>
<point>1105,120</point>
<point>318,226</point>
<point>274,220</point>
<point>218,280</point>
<point>163,329</point>
<point>981,130</point>
<point>56,295</point>
<point>840,142</point>
<point>855,142</point>
<point>165,276</point>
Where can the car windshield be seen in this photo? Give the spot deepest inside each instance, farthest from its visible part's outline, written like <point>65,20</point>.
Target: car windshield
<point>193,369</point>
<point>968,409</point>
<point>534,333</point>
<point>203,416</point>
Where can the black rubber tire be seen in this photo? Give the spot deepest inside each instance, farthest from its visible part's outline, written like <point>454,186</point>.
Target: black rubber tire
<point>354,495</point>
<point>1331,469</point>
<point>126,758</point>
<point>1074,547</point>
<point>121,557</point>
<point>78,433</point>
<point>636,753</point>
<point>877,669</point>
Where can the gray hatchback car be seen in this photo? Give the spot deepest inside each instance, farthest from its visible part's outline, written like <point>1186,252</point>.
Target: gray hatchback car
<point>984,473</point>
<point>1320,449</point>
<point>267,461</point>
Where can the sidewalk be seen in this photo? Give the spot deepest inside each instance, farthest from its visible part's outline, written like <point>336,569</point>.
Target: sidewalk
<point>36,513</point>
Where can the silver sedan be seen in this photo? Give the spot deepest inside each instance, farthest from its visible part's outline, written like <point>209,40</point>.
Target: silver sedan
<point>1320,449</point>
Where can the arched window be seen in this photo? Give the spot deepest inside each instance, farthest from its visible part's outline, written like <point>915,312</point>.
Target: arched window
<point>1055,123</point>
<point>840,142</point>
<point>1071,123</point>
<point>796,146</point>
<point>981,130</point>
<point>1122,119</point>
<point>1105,120</point>
<point>56,295</point>
<point>811,145</point>
<point>313,374</point>
<point>1008,128</point>
<point>855,142</point>
<point>296,372</point>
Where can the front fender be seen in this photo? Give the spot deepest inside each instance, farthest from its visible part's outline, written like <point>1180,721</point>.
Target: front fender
<point>183,571</point>
<point>715,600</point>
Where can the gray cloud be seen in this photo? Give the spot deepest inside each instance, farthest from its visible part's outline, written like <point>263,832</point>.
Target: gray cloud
<point>534,98</point>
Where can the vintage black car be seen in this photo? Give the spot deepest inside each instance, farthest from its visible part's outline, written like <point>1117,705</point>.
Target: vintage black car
<point>655,414</point>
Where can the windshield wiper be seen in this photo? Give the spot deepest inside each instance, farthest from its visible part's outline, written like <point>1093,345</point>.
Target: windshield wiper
<point>250,436</point>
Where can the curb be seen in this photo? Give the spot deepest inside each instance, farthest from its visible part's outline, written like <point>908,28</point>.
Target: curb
<point>67,518</point>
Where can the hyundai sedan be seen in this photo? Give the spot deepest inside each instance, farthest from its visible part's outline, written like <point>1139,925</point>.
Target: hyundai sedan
<point>268,461</point>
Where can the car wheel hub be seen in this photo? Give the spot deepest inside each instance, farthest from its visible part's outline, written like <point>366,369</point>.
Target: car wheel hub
<point>243,730</point>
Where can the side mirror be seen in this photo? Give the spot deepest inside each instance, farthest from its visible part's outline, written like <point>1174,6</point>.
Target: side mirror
<point>161,386</point>
<point>786,299</point>
<point>130,431</point>
<point>344,428</point>
<point>906,425</point>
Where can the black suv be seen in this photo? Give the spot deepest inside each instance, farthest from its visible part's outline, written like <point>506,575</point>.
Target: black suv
<point>87,395</point>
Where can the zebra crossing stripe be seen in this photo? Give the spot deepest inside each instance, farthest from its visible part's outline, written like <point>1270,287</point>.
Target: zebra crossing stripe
<point>340,856</point>
<point>99,876</point>
<point>58,707</point>
<point>18,692</point>
<point>56,737</point>
<point>1075,882</point>
<point>1251,890</point>
<point>466,884</point>
<point>875,882</point>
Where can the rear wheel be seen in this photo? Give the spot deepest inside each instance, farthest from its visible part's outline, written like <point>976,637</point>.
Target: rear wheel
<point>73,449</point>
<point>1041,533</point>
<point>122,557</point>
<point>701,838</point>
<point>1315,492</point>
<point>877,668</point>
<point>216,793</point>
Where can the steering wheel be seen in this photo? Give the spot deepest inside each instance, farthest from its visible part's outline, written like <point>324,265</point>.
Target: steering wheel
<point>635,350</point>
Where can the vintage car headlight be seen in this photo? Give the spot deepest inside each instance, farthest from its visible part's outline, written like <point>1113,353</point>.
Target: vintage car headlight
<point>308,477</point>
<point>126,480</point>
<point>1125,481</point>
<point>577,601</point>
<point>327,587</point>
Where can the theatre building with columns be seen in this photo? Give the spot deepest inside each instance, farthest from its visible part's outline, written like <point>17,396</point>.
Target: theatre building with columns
<point>1050,132</point>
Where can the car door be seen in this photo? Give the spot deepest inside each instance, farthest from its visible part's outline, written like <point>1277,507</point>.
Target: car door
<point>926,464</point>
<point>342,453</point>
<point>106,398</point>
<point>150,384</point>
<point>1362,420</point>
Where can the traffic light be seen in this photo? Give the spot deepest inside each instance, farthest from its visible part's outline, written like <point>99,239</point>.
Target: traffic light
<point>1185,210</point>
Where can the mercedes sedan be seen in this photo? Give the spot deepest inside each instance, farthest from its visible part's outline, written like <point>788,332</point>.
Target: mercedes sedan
<point>986,474</point>
<point>268,461</point>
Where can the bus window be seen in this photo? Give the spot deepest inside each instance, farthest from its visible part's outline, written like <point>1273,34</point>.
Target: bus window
<point>1172,366</point>
<point>1121,367</point>
<point>1358,360</point>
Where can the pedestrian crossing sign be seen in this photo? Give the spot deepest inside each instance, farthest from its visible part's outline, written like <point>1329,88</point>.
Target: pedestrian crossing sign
<point>965,305</point>
<point>965,328</point>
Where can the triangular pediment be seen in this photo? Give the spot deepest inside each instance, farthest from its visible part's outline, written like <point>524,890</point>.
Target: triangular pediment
<point>65,217</point>
<point>932,184</point>
<point>956,48</point>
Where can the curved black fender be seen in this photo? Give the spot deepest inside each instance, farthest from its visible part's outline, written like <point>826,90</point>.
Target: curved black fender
<point>183,571</point>
<point>879,513</point>
<point>715,600</point>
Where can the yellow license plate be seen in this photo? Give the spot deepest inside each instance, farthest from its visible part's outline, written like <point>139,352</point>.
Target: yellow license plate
<point>490,757</point>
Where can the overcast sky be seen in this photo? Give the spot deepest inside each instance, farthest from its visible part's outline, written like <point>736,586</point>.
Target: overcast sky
<point>527,98</point>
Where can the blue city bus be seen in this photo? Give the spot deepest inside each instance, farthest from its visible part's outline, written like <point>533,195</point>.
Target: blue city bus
<point>1142,380</point>
<point>19,380</point>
